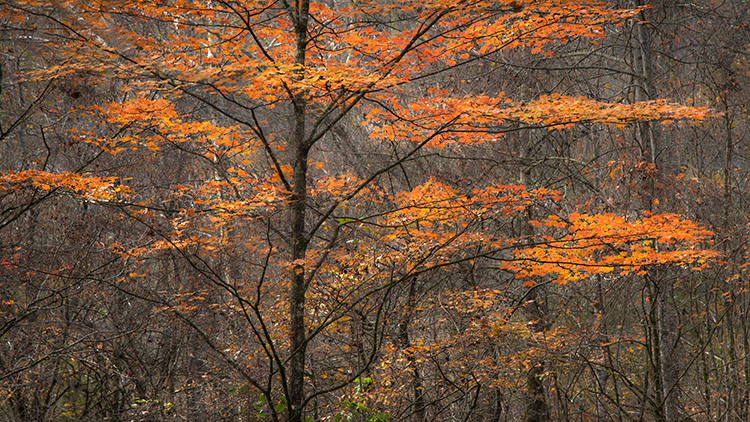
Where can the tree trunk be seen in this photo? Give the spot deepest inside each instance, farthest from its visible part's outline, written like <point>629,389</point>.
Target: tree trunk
<point>403,329</point>
<point>536,405</point>
<point>654,355</point>
<point>644,85</point>
<point>601,373</point>
<point>537,409</point>
<point>536,309</point>
<point>663,324</point>
<point>298,240</point>
<point>668,338</point>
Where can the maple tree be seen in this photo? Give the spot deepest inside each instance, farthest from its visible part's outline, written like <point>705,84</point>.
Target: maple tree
<point>215,135</point>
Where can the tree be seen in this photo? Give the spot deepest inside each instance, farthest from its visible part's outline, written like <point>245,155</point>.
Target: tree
<point>217,142</point>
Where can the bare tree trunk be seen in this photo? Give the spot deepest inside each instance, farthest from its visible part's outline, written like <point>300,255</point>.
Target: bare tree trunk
<point>403,329</point>
<point>536,405</point>
<point>498,413</point>
<point>537,409</point>
<point>663,323</point>
<point>196,365</point>
<point>298,240</point>
<point>601,374</point>
<point>644,85</point>
<point>668,338</point>
<point>653,343</point>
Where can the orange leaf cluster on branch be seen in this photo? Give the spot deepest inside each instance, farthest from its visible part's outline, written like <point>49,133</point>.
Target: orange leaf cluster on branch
<point>600,244</point>
<point>88,187</point>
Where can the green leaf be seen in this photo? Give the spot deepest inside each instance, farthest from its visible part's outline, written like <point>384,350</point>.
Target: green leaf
<point>261,399</point>
<point>280,407</point>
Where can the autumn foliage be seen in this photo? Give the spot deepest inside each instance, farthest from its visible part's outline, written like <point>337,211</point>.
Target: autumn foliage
<point>600,244</point>
<point>278,203</point>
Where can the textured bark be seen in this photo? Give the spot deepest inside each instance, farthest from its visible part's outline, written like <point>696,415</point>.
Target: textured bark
<point>644,85</point>
<point>601,373</point>
<point>498,413</point>
<point>536,404</point>
<point>403,329</point>
<point>653,336</point>
<point>537,409</point>
<point>297,204</point>
<point>668,371</point>
<point>535,308</point>
<point>663,322</point>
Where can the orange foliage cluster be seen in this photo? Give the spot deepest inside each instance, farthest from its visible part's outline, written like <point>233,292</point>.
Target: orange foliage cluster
<point>582,245</point>
<point>87,187</point>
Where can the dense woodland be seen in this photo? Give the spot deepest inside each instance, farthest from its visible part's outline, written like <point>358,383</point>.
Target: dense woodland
<point>374,210</point>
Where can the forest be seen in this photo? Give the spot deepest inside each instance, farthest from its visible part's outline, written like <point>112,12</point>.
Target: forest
<point>374,210</point>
